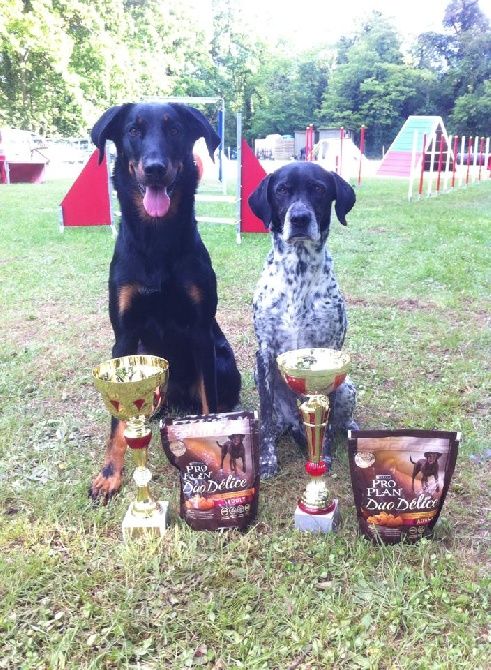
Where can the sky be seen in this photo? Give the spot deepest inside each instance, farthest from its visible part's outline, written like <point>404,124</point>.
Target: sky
<point>327,20</point>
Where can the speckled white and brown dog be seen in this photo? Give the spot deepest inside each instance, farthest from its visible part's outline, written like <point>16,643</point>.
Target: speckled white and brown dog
<point>297,302</point>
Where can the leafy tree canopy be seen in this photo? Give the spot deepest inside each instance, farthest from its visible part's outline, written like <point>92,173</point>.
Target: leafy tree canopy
<point>64,61</point>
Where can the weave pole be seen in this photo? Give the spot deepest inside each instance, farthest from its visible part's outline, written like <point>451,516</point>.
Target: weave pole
<point>469,153</point>
<point>462,156</point>
<point>481,156</point>
<point>432,162</point>
<point>475,160</point>
<point>447,164</point>
<point>362,149</point>
<point>412,166</point>
<point>440,164</point>
<point>422,173</point>
<point>455,143</point>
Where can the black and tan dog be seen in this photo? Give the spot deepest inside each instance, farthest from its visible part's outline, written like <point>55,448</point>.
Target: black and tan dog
<point>235,448</point>
<point>428,467</point>
<point>162,287</point>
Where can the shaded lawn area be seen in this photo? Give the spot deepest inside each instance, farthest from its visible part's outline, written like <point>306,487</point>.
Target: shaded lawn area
<point>416,280</point>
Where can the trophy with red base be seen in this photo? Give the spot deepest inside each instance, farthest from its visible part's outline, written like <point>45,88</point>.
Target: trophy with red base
<point>133,388</point>
<point>312,374</point>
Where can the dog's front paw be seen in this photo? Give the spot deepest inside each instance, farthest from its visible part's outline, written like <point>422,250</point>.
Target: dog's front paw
<point>106,484</point>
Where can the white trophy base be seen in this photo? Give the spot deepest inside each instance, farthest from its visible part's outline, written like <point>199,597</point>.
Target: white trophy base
<point>318,523</point>
<point>134,526</point>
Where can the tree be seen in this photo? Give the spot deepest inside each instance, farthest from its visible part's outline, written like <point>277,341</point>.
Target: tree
<point>288,92</point>
<point>63,61</point>
<point>236,56</point>
<point>463,16</point>
<point>372,86</point>
<point>460,59</point>
<point>37,89</point>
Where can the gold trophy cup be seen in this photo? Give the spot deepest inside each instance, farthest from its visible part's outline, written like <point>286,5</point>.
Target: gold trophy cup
<point>313,374</point>
<point>133,388</point>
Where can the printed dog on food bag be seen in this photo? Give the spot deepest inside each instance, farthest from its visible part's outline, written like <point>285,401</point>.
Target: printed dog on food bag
<point>428,467</point>
<point>162,287</point>
<point>235,448</point>
<point>297,302</point>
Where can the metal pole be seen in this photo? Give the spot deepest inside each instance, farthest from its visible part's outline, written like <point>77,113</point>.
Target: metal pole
<point>221,148</point>
<point>61,222</point>
<point>109,189</point>
<point>341,139</point>
<point>239,176</point>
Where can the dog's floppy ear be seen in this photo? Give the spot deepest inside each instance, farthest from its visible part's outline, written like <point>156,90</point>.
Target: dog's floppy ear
<point>259,202</point>
<point>199,126</point>
<point>345,198</point>
<point>108,127</point>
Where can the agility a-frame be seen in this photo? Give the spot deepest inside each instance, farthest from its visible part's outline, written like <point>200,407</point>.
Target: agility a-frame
<point>398,160</point>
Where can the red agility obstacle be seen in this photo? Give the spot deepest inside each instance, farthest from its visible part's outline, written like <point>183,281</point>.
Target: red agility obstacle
<point>252,174</point>
<point>88,202</point>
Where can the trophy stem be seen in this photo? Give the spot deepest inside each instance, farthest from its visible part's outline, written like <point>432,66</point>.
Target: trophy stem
<point>315,412</point>
<point>138,437</point>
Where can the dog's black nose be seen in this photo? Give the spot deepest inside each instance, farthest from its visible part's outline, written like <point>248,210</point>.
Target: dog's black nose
<point>300,215</point>
<point>155,169</point>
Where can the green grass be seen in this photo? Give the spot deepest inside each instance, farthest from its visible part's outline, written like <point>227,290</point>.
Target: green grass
<point>72,595</point>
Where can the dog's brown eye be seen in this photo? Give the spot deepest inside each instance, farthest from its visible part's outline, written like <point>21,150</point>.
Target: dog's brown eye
<point>134,131</point>
<point>282,189</point>
<point>173,130</point>
<point>318,188</point>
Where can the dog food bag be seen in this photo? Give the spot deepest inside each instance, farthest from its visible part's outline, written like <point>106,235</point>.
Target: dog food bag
<point>400,479</point>
<point>217,456</point>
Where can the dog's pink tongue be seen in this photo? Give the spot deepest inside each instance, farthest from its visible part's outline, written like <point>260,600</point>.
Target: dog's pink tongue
<point>156,201</point>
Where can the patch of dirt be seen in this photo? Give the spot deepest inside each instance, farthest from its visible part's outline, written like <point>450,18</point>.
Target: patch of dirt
<point>378,230</point>
<point>482,317</point>
<point>404,304</point>
<point>479,316</point>
<point>238,329</point>
<point>412,304</point>
<point>51,318</point>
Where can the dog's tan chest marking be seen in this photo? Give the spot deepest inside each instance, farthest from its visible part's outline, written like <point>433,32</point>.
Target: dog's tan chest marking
<point>195,293</point>
<point>126,295</point>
